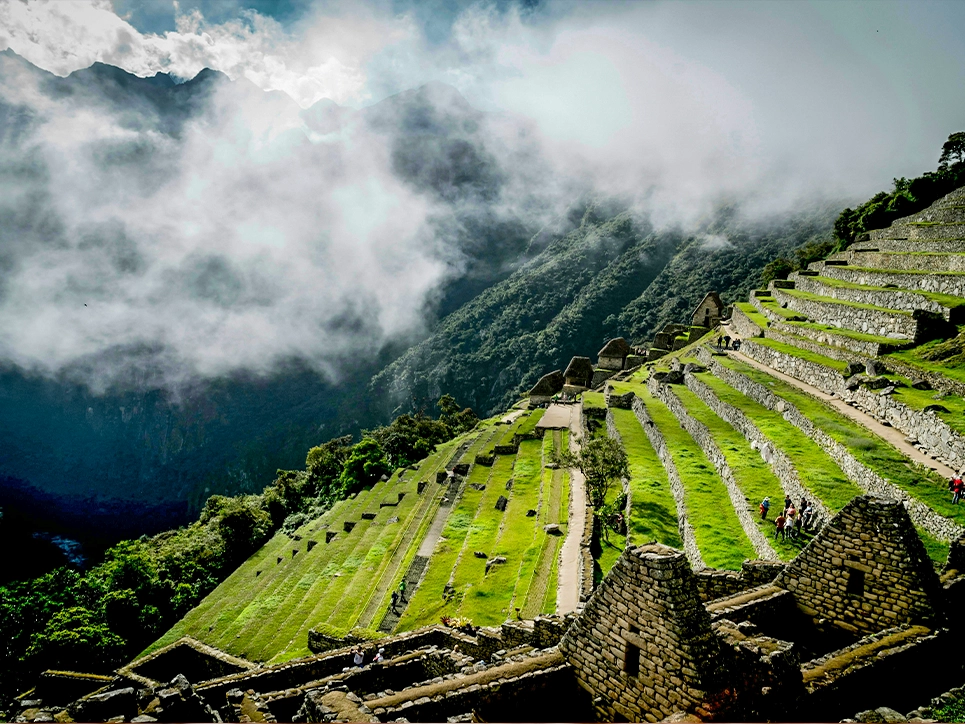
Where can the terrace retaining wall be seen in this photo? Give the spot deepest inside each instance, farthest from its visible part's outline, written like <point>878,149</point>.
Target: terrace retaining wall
<point>859,319</point>
<point>676,486</point>
<point>937,525</point>
<point>703,437</point>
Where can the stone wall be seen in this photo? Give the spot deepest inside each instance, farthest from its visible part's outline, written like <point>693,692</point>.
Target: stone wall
<point>900,299</point>
<point>829,338</point>
<point>643,646</point>
<point>743,324</point>
<point>805,343</point>
<point>937,282</point>
<point>713,583</point>
<point>937,525</point>
<point>938,262</point>
<point>676,486</point>
<point>866,571</point>
<point>702,436</point>
<point>817,375</point>
<point>859,319</point>
<point>780,463</point>
<point>930,430</point>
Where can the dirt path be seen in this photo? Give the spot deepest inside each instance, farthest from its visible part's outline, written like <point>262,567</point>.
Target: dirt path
<point>568,590</point>
<point>895,437</point>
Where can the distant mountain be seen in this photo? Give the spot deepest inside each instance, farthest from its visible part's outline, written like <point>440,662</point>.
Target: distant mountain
<point>524,292</point>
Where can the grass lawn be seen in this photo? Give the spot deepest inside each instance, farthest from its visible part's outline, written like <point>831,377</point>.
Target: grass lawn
<point>718,533</point>
<point>953,369</point>
<point>593,400</point>
<point>819,473</point>
<point>548,546</point>
<point>653,512</point>
<point>753,476</point>
<point>807,296</point>
<point>870,450</point>
<point>750,311</point>
<point>529,425</point>
<point>488,597</point>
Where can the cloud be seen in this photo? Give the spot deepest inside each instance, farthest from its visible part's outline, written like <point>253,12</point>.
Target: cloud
<point>247,232</point>
<point>322,58</point>
<point>234,243</point>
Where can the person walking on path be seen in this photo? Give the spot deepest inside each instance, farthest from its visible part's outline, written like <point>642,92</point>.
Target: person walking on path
<point>765,506</point>
<point>395,600</point>
<point>402,590</point>
<point>787,503</point>
<point>357,658</point>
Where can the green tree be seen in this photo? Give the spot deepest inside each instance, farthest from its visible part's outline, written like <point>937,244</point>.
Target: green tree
<point>953,150</point>
<point>77,640</point>
<point>603,461</point>
<point>777,269</point>
<point>363,467</point>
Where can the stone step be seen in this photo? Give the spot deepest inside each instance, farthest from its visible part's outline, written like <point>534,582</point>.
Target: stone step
<point>894,260</point>
<point>938,282</point>
<point>921,231</point>
<point>910,245</point>
<point>950,309</point>
<point>884,322</point>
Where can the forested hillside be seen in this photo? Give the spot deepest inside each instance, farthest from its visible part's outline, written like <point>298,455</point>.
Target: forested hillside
<point>612,275</point>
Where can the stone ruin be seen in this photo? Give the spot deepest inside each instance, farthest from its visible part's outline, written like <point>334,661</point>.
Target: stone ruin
<point>859,620</point>
<point>709,312</point>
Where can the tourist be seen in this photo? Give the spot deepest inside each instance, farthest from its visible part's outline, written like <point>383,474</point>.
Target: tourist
<point>378,656</point>
<point>779,525</point>
<point>720,343</point>
<point>395,600</point>
<point>357,657</point>
<point>787,503</point>
<point>956,485</point>
<point>798,525</point>
<point>402,590</point>
<point>726,341</point>
<point>807,515</point>
<point>765,506</point>
<point>789,523</point>
<point>736,346</point>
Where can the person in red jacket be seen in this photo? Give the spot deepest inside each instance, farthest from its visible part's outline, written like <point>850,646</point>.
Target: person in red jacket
<point>956,486</point>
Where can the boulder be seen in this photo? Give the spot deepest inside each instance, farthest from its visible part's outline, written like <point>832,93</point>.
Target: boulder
<point>501,503</point>
<point>552,529</point>
<point>920,384</point>
<point>876,383</point>
<point>498,560</point>
<point>887,390</point>
<point>935,408</point>
<point>530,513</point>
<point>101,707</point>
<point>875,368</point>
<point>854,368</point>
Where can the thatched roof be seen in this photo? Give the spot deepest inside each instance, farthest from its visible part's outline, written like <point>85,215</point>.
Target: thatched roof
<point>549,384</point>
<point>616,347</point>
<point>580,368</point>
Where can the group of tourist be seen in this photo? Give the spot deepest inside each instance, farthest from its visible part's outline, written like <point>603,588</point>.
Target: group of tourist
<point>398,596</point>
<point>792,520</point>
<point>724,342</point>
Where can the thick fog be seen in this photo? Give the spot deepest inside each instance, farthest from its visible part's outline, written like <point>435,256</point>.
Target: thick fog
<point>217,226</point>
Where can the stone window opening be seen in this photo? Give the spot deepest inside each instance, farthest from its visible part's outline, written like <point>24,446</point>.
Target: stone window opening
<point>855,585</point>
<point>631,656</point>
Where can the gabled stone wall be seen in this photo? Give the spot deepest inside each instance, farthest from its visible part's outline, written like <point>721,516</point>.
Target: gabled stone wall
<point>866,572</point>
<point>643,646</point>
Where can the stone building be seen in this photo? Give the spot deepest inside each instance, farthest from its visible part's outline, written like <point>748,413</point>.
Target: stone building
<point>708,312</point>
<point>578,375</point>
<point>549,385</point>
<point>613,356</point>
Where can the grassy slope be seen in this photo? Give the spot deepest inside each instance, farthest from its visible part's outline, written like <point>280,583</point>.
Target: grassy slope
<point>653,513</point>
<point>753,476</point>
<point>719,535</point>
<point>870,450</point>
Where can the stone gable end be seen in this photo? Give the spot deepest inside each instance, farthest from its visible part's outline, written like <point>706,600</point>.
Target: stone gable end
<point>866,571</point>
<point>644,647</point>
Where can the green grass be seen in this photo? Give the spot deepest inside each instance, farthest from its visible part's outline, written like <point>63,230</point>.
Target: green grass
<point>819,473</point>
<point>529,425</point>
<point>937,550</point>
<point>718,533</point>
<point>870,450</point>
<point>427,604</point>
<point>849,333</point>
<point>653,512</point>
<point>548,546</point>
<point>488,597</point>
<point>920,399</point>
<point>769,304</point>
<point>750,311</point>
<point>915,272</point>
<point>753,476</point>
<point>593,400</point>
